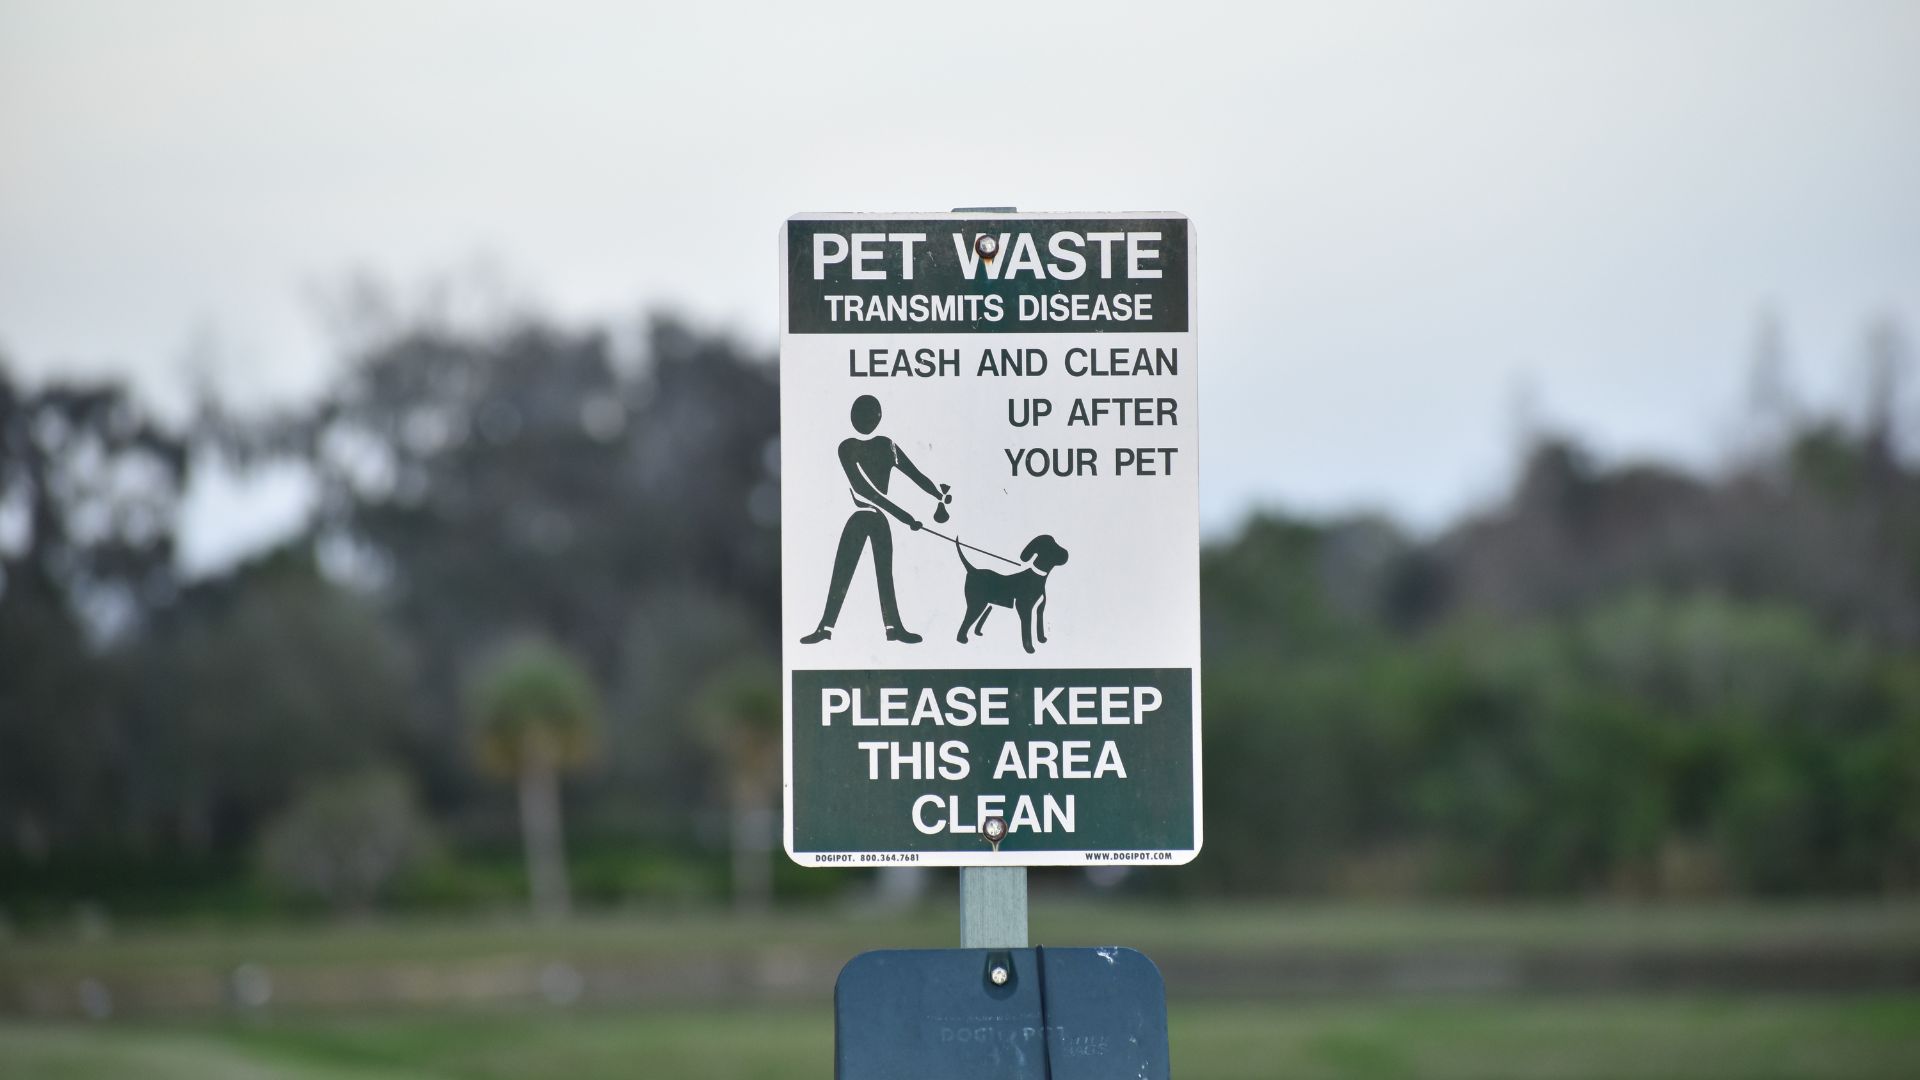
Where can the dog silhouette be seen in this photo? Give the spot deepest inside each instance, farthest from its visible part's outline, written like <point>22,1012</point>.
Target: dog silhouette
<point>1025,590</point>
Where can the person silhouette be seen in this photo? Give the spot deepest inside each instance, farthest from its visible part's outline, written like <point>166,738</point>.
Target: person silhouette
<point>869,465</point>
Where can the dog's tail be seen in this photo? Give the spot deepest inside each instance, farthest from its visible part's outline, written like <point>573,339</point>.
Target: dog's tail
<point>962,552</point>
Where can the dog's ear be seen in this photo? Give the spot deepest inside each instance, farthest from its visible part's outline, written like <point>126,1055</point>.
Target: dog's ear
<point>1044,552</point>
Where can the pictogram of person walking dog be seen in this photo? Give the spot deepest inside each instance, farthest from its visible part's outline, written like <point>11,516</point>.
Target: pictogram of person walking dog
<point>869,462</point>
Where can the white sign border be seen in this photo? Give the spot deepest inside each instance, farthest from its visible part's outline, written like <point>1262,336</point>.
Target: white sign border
<point>988,856</point>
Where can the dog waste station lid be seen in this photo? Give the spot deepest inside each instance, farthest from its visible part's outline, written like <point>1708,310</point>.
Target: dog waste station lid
<point>1012,1014</point>
<point>989,531</point>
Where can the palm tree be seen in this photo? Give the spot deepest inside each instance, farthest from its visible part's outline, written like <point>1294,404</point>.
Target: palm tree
<point>738,717</point>
<point>535,714</point>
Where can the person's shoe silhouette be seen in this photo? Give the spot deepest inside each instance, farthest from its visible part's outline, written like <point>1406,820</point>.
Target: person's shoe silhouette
<point>896,633</point>
<point>817,636</point>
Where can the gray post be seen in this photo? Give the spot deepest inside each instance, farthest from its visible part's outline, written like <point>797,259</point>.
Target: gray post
<point>993,907</point>
<point>993,899</point>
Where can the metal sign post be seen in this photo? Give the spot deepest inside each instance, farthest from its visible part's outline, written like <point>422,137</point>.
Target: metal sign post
<point>993,907</point>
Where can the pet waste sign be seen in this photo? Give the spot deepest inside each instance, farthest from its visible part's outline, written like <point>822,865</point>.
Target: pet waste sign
<point>990,539</point>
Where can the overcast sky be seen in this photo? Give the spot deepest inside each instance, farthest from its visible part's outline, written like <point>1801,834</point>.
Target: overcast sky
<point>1407,214</point>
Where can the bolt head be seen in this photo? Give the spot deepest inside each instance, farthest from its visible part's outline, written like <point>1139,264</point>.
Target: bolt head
<point>999,975</point>
<point>986,245</point>
<point>995,829</point>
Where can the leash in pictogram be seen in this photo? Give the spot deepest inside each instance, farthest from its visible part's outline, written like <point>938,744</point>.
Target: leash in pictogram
<point>970,547</point>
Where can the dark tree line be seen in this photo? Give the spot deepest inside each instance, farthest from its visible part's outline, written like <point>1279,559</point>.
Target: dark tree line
<point>1622,678</point>
<point>474,488</point>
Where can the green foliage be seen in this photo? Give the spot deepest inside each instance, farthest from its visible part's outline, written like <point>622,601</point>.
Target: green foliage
<point>533,698</point>
<point>250,690</point>
<point>1584,755</point>
<point>737,713</point>
<point>1622,679</point>
<point>1344,1037</point>
<point>90,486</point>
<point>346,842</point>
<point>531,480</point>
<point>626,875</point>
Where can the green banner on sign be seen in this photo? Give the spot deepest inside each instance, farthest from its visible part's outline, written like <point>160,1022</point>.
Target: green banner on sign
<point>916,761</point>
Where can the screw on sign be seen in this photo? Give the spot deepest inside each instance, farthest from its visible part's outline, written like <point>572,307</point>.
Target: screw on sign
<point>995,830</point>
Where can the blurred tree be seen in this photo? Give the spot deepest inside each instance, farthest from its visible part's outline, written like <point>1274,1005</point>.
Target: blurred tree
<point>89,490</point>
<point>1626,678</point>
<point>484,481</point>
<point>661,772</point>
<point>249,685</point>
<point>57,750</point>
<point>1826,515</point>
<point>345,841</point>
<point>738,714</point>
<point>535,715</point>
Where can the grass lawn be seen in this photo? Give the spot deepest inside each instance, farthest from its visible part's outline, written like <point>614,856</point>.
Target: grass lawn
<point>1150,927</point>
<point>1560,1038</point>
<point>172,1022</point>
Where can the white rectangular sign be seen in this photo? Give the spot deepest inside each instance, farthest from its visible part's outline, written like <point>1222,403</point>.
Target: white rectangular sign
<point>990,539</point>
